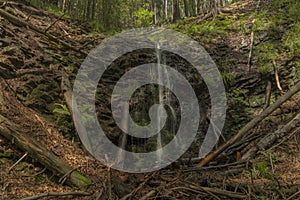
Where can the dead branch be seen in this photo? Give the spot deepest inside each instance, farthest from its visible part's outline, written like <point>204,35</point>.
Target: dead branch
<point>277,76</point>
<point>52,24</point>
<point>18,161</point>
<point>251,46</point>
<point>20,22</point>
<point>148,195</point>
<point>271,137</point>
<point>133,192</point>
<point>268,95</point>
<point>213,191</point>
<point>250,125</point>
<point>56,194</point>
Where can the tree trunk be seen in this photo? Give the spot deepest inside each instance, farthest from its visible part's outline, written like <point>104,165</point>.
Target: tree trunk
<point>88,10</point>
<point>186,8</point>
<point>176,10</point>
<point>200,6</point>
<point>166,9</point>
<point>154,12</point>
<point>194,8</point>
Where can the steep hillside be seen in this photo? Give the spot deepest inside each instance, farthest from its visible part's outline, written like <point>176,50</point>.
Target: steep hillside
<point>255,44</point>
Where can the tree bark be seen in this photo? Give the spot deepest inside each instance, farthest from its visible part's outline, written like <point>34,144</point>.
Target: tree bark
<point>186,8</point>
<point>194,9</point>
<point>154,19</point>
<point>176,10</point>
<point>166,9</point>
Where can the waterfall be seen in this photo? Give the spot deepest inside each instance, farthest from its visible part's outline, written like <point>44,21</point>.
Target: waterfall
<point>164,99</point>
<point>161,101</point>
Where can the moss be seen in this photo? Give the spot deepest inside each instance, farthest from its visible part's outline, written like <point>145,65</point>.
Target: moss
<point>85,181</point>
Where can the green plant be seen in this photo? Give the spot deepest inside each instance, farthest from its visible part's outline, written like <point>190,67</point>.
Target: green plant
<point>261,169</point>
<point>144,17</point>
<point>227,78</point>
<point>61,109</point>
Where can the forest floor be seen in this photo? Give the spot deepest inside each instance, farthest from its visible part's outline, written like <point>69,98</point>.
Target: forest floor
<point>31,66</point>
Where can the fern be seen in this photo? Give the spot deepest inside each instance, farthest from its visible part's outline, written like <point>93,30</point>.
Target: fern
<point>61,109</point>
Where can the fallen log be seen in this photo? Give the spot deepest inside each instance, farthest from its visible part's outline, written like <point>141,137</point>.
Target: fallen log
<point>18,134</point>
<point>250,125</point>
<point>28,144</point>
<point>269,139</point>
<point>56,194</point>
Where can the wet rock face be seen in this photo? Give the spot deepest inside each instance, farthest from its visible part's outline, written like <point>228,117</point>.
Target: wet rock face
<point>146,96</point>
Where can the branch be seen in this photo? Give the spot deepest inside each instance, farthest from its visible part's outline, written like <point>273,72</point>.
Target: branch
<point>56,194</point>
<point>251,46</point>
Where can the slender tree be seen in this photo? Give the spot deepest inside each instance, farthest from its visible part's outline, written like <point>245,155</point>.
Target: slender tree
<point>176,10</point>
<point>186,8</point>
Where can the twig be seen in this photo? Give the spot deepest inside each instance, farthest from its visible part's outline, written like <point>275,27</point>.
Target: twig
<point>18,161</point>
<point>47,29</point>
<point>148,195</point>
<point>64,177</point>
<point>99,195</point>
<point>109,183</point>
<point>271,162</point>
<point>294,195</point>
<point>268,94</point>
<point>134,191</point>
<point>251,46</point>
<point>56,194</point>
<point>288,137</point>
<point>277,76</point>
<point>250,125</point>
<point>216,167</point>
<point>3,5</point>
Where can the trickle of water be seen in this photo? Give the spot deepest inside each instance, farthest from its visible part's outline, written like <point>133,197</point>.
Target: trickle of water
<point>164,99</point>
<point>161,101</point>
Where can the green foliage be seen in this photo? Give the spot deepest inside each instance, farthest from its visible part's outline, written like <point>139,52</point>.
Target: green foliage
<point>292,39</point>
<point>61,109</point>
<point>228,78</point>
<point>144,17</point>
<point>262,169</point>
<point>213,28</point>
<point>237,99</point>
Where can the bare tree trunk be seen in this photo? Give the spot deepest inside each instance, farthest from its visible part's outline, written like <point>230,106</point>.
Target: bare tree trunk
<point>194,8</point>
<point>88,10</point>
<point>200,6</point>
<point>166,9</point>
<point>176,10</point>
<point>154,11</point>
<point>186,8</point>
